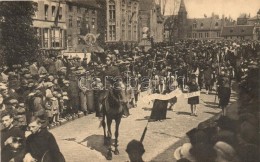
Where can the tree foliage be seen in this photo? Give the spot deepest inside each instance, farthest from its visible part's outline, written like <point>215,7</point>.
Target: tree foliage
<point>19,39</point>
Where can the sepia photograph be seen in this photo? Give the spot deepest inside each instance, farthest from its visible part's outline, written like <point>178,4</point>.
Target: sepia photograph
<point>130,80</point>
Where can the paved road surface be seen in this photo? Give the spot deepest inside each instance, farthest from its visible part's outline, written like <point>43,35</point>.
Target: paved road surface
<point>82,141</point>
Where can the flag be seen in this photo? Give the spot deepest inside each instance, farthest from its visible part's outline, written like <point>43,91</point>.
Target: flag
<point>57,15</point>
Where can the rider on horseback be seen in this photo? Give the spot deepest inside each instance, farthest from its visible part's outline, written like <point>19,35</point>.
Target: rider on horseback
<point>112,79</point>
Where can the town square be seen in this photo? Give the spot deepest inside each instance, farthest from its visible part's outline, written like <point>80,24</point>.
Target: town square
<point>129,80</point>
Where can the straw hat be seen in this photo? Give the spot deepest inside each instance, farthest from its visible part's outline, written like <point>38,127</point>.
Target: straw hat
<point>184,152</point>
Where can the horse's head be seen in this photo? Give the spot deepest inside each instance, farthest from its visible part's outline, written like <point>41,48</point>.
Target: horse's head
<point>118,92</point>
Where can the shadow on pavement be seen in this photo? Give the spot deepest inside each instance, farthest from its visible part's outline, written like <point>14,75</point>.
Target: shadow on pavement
<point>213,113</point>
<point>96,142</point>
<point>147,109</point>
<point>145,118</point>
<point>182,113</point>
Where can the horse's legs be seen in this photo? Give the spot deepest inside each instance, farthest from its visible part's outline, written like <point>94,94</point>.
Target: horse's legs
<point>109,136</point>
<point>104,129</point>
<point>118,120</point>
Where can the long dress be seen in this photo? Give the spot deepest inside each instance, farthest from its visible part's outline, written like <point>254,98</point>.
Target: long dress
<point>159,110</point>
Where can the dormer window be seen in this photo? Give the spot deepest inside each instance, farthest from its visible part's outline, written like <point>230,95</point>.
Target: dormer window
<point>201,25</point>
<point>216,24</point>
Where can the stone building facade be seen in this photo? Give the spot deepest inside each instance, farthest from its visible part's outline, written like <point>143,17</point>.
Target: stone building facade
<point>122,21</point>
<point>151,17</point>
<point>50,23</point>
<point>80,13</point>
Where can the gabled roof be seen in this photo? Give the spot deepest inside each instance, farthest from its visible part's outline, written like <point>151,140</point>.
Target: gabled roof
<point>206,23</point>
<point>239,30</point>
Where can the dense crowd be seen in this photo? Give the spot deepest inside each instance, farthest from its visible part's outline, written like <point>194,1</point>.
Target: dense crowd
<point>59,88</point>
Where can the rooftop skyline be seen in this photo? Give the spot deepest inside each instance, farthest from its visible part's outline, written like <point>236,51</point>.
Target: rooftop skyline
<point>199,8</point>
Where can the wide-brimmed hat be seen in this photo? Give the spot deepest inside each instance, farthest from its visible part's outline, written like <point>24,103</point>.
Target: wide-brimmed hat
<point>225,152</point>
<point>184,152</point>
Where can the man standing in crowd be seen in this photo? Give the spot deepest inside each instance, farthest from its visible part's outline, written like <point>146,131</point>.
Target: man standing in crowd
<point>39,141</point>
<point>12,139</point>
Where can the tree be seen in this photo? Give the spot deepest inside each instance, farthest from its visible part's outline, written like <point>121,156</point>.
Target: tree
<point>19,39</point>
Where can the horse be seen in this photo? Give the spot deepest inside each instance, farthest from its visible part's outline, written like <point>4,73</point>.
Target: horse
<point>112,110</point>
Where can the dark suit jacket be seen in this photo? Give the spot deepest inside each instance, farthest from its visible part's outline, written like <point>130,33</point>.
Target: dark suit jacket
<point>37,144</point>
<point>7,153</point>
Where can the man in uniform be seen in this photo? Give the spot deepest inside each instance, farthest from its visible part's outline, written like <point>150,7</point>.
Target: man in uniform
<point>111,76</point>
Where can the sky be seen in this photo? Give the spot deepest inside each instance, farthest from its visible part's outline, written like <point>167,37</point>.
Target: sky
<point>197,8</point>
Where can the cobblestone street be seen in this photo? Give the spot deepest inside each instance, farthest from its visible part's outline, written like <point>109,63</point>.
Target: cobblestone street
<point>82,140</point>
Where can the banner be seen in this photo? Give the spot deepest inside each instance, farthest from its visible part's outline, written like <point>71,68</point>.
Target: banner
<point>175,93</point>
<point>192,94</point>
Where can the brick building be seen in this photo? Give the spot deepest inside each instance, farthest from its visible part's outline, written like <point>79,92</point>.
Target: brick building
<point>122,21</point>
<point>181,27</point>
<point>81,19</point>
<point>246,29</point>
<point>50,23</point>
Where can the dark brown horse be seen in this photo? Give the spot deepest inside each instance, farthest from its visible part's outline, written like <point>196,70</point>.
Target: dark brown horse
<point>112,110</point>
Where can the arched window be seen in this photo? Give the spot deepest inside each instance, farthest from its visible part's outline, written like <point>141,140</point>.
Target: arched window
<point>216,24</point>
<point>201,25</point>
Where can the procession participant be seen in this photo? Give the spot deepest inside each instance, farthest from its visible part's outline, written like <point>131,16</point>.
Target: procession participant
<point>12,140</point>
<point>224,91</point>
<point>39,141</point>
<point>159,109</point>
<point>110,76</point>
<point>171,85</point>
<point>208,79</point>
<point>201,78</point>
<point>193,101</point>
